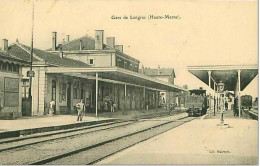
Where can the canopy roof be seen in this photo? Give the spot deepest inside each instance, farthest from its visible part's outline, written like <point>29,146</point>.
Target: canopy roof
<point>228,74</point>
<point>117,75</point>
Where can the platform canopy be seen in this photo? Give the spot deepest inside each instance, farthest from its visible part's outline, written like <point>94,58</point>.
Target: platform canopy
<point>116,75</point>
<point>228,74</point>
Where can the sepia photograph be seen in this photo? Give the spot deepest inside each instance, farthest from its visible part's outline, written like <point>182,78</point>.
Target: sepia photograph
<point>129,82</point>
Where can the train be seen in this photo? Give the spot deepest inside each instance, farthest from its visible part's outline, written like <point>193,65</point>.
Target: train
<point>246,102</point>
<point>196,102</point>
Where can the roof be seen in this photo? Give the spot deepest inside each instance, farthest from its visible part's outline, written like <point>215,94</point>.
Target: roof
<point>23,52</point>
<point>118,75</point>
<point>88,43</point>
<point>7,57</point>
<point>228,74</point>
<point>154,72</point>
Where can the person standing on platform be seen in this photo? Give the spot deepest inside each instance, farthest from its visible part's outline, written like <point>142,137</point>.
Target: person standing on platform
<point>112,106</point>
<point>226,105</point>
<point>80,108</point>
<point>51,110</point>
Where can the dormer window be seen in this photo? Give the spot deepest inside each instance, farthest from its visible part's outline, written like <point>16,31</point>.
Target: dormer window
<point>91,61</point>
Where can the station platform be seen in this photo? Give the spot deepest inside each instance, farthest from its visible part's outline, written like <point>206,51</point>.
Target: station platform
<point>36,124</point>
<point>201,141</point>
<point>227,114</point>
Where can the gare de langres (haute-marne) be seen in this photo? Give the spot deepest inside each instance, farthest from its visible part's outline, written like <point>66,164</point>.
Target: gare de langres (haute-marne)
<point>84,68</point>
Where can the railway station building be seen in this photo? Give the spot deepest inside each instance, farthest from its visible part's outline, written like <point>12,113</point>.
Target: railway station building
<point>87,69</point>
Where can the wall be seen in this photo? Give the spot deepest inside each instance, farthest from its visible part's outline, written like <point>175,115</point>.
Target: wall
<point>162,78</point>
<point>100,60</point>
<point>38,89</point>
<point>130,65</point>
<point>61,101</point>
<point>7,112</point>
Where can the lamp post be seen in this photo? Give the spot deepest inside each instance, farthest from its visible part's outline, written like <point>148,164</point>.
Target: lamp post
<point>31,73</point>
<point>221,86</point>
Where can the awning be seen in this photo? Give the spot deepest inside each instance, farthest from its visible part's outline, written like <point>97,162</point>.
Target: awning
<point>228,74</point>
<point>118,75</point>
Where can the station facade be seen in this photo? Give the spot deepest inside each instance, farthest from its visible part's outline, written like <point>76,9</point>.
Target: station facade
<point>87,69</point>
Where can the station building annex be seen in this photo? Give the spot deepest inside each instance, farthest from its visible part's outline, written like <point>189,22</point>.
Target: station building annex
<point>85,68</point>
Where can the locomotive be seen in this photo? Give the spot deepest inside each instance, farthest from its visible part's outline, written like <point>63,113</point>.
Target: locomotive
<point>196,103</point>
<point>246,102</point>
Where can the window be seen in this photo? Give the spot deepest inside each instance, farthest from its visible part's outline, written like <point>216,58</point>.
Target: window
<point>16,69</point>
<point>62,94</point>
<point>82,95</point>
<point>75,90</point>
<point>11,92</point>
<point>4,66</point>
<point>125,65</point>
<point>10,67</point>
<point>91,61</point>
<point>25,88</point>
<point>119,63</point>
<point>53,90</point>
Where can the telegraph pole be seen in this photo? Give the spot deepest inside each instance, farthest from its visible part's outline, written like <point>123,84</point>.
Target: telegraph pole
<point>31,73</point>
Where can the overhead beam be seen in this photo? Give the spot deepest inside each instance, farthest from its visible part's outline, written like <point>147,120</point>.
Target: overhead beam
<point>111,69</point>
<point>223,67</point>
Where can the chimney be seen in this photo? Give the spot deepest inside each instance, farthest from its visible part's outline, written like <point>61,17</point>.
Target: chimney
<point>54,41</point>
<point>99,39</point>
<point>158,70</point>
<point>68,38</point>
<point>111,42</point>
<point>4,44</point>
<point>142,69</point>
<point>60,49</point>
<point>80,45</point>
<point>119,47</point>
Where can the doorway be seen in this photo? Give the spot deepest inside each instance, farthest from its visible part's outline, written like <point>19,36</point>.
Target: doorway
<point>69,97</point>
<point>53,94</point>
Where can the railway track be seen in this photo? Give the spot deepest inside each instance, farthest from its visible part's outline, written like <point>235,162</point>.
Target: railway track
<point>61,148</point>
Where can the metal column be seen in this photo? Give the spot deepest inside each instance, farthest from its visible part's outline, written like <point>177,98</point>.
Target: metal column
<point>238,75</point>
<point>125,92</point>
<point>96,92</point>
<point>144,99</point>
<point>209,73</point>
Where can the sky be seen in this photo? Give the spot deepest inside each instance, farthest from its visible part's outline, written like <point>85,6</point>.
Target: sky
<point>206,33</point>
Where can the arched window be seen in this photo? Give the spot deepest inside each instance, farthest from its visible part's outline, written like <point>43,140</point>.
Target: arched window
<point>10,67</point>
<point>16,69</point>
<point>4,66</point>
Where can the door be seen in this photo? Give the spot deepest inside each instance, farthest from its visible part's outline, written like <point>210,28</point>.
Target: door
<point>69,97</point>
<point>26,100</point>
<point>53,94</point>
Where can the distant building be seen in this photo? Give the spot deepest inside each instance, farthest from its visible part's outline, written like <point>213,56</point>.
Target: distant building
<point>94,52</point>
<point>166,75</point>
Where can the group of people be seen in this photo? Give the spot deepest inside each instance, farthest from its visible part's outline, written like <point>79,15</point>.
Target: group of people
<point>172,107</point>
<point>81,108</point>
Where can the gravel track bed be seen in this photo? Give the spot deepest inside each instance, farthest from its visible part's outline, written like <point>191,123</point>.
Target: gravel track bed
<point>49,133</point>
<point>31,153</point>
<point>58,136</point>
<point>92,155</point>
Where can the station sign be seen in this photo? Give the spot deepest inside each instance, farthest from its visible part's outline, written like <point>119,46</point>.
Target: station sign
<point>30,73</point>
